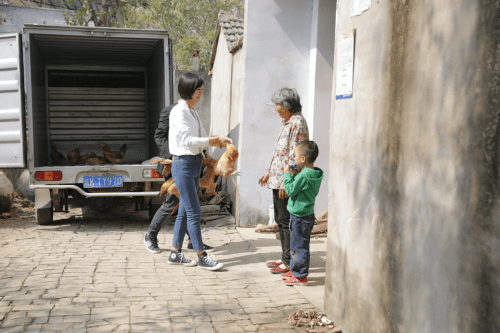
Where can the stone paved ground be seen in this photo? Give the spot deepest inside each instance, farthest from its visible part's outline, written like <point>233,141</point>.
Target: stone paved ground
<point>90,272</point>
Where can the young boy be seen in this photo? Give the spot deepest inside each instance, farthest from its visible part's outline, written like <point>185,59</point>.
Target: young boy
<point>302,186</point>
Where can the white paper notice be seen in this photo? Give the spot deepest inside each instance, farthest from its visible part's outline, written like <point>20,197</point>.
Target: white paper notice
<point>345,64</point>
<point>359,6</point>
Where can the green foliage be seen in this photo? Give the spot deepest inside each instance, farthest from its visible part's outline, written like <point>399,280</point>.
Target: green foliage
<point>191,23</point>
<point>101,12</point>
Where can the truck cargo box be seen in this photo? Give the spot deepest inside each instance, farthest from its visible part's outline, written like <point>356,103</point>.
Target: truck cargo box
<point>83,86</point>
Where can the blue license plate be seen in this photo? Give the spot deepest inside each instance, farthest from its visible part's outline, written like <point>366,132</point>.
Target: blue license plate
<point>102,181</point>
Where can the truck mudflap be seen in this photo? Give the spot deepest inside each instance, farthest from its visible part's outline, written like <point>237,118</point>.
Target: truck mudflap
<point>44,216</point>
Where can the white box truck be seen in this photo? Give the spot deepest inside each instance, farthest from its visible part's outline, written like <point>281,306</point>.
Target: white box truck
<point>77,87</point>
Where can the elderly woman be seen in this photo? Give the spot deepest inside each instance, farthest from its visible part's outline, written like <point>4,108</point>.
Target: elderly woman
<point>294,130</point>
<point>186,139</point>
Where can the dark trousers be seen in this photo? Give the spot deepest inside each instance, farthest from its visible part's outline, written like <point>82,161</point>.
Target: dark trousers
<point>282,217</point>
<point>163,214</point>
<point>300,237</point>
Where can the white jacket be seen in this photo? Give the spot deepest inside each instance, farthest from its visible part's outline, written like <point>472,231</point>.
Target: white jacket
<point>186,134</point>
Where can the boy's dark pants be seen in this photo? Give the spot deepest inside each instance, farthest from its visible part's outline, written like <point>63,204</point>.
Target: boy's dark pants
<point>282,217</point>
<point>300,236</point>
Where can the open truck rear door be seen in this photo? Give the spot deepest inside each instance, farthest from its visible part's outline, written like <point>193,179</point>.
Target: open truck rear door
<point>12,129</point>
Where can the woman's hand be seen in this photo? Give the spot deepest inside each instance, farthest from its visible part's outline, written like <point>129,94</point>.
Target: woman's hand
<point>219,141</point>
<point>263,180</point>
<point>282,194</point>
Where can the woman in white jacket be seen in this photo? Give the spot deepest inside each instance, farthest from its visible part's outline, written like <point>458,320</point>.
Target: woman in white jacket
<point>186,138</point>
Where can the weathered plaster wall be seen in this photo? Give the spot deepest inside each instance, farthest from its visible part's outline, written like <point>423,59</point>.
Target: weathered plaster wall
<point>12,18</point>
<point>414,203</point>
<point>237,98</point>
<point>221,97</point>
<point>320,88</point>
<point>277,43</point>
<point>228,80</point>
<point>203,107</point>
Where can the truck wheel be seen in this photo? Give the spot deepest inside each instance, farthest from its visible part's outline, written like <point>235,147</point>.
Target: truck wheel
<point>153,208</point>
<point>44,216</point>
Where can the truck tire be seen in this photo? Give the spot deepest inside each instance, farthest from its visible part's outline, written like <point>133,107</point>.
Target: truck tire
<point>44,216</point>
<point>153,208</point>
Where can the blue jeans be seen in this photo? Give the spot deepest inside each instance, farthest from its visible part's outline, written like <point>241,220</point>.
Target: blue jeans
<point>186,173</point>
<point>300,236</point>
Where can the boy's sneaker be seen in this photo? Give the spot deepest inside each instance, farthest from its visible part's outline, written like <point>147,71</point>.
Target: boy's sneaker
<point>178,258</point>
<point>206,248</point>
<point>281,269</point>
<point>207,261</point>
<point>272,264</point>
<point>286,276</point>
<point>295,281</point>
<point>151,244</point>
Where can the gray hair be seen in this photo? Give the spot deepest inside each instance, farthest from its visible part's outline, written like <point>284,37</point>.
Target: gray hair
<point>287,98</point>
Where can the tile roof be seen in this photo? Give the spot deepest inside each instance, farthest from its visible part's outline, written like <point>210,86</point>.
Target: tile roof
<point>231,25</point>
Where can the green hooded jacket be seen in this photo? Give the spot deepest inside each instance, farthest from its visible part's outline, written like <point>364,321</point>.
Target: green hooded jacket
<point>302,190</point>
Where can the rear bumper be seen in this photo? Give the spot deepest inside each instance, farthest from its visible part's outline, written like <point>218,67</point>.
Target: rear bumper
<point>74,174</point>
<point>87,194</point>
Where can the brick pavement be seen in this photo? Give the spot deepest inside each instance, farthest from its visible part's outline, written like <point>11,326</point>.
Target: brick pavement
<point>90,272</point>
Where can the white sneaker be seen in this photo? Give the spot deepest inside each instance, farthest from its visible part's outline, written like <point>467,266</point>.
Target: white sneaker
<point>151,244</point>
<point>178,258</point>
<point>207,261</point>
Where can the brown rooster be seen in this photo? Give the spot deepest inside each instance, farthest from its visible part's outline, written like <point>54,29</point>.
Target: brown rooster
<point>167,165</point>
<point>74,156</point>
<point>207,181</point>
<point>56,157</point>
<point>169,186</point>
<point>225,166</point>
<point>227,162</point>
<point>115,157</point>
<point>93,159</point>
<point>218,142</point>
<point>83,159</point>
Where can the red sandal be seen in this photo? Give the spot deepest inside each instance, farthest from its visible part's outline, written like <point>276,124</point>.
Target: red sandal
<point>280,270</point>
<point>272,264</point>
<point>295,281</point>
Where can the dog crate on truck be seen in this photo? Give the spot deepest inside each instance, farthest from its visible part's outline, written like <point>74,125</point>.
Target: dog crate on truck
<point>84,88</point>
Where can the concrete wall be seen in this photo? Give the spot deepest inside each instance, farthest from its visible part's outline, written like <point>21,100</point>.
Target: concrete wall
<point>414,178</point>
<point>12,18</point>
<point>221,92</point>
<point>44,4</point>
<point>286,44</point>
<point>203,107</point>
<point>320,88</point>
<point>277,50</point>
<point>228,82</point>
<point>237,99</point>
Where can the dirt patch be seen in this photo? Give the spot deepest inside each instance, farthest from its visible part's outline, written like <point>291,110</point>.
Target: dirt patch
<point>19,225</point>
